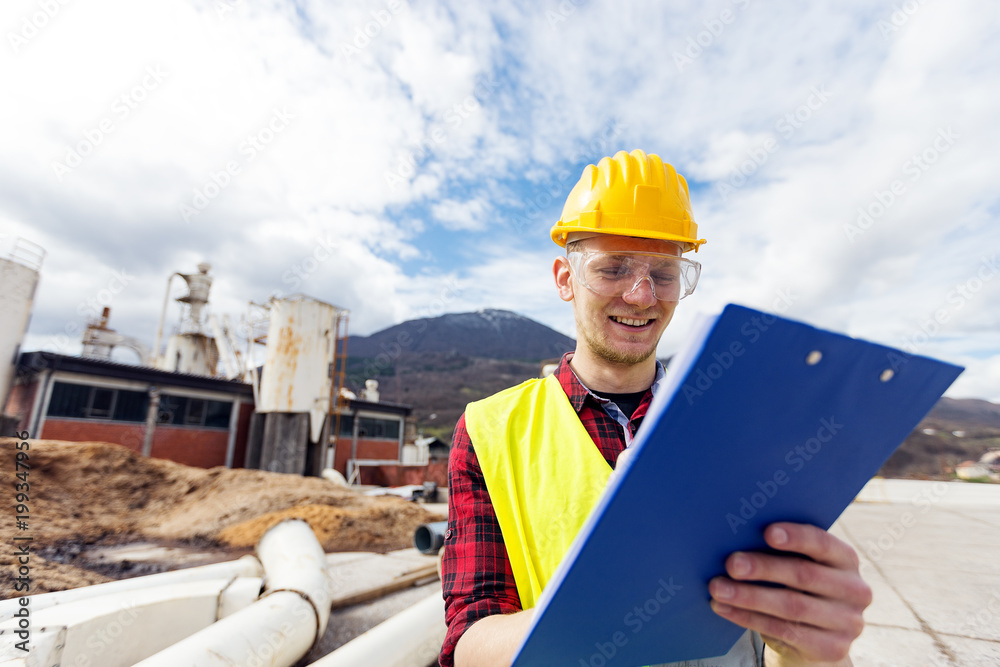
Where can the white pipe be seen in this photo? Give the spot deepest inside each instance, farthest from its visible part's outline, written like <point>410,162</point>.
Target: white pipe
<point>247,566</point>
<point>282,626</point>
<point>275,631</point>
<point>411,638</point>
<point>163,318</point>
<point>294,561</point>
<point>119,630</point>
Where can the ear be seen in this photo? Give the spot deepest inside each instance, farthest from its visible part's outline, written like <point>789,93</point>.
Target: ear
<point>564,278</point>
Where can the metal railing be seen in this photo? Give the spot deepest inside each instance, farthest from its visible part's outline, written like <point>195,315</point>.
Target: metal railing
<point>27,253</point>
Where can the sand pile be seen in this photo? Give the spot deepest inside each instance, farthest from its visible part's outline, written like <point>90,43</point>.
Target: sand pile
<point>375,528</point>
<point>85,492</point>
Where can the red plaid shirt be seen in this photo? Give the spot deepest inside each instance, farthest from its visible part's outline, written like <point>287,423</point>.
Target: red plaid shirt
<point>476,573</point>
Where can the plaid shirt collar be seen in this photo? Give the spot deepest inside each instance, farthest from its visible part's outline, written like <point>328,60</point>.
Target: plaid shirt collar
<point>578,393</point>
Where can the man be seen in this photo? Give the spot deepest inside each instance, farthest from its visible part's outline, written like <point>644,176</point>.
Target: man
<point>529,463</point>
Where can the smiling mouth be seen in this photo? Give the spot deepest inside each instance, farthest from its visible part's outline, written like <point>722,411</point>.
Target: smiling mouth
<point>629,322</point>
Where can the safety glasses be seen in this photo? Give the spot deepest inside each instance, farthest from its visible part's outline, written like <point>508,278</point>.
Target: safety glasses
<point>617,273</point>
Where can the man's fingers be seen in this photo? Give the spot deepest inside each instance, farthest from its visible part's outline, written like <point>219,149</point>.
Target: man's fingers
<point>812,541</point>
<point>783,603</point>
<point>810,643</point>
<point>802,575</point>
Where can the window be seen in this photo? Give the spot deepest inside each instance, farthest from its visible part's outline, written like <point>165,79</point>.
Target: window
<point>346,425</point>
<point>370,427</point>
<point>217,414</point>
<point>80,401</point>
<point>100,403</point>
<point>187,411</point>
<point>195,412</point>
<point>171,410</point>
<point>131,406</point>
<point>69,400</point>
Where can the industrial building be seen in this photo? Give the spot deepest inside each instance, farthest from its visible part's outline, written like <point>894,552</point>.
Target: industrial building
<point>203,400</point>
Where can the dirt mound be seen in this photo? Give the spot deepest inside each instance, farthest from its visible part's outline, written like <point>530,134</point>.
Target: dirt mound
<point>46,576</point>
<point>375,528</point>
<point>86,492</point>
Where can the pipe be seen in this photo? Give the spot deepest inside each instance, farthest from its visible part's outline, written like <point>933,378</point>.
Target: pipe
<point>121,629</point>
<point>234,425</point>
<point>163,318</point>
<point>247,566</point>
<point>280,627</point>
<point>411,638</point>
<point>41,404</point>
<point>429,537</point>
<point>294,561</point>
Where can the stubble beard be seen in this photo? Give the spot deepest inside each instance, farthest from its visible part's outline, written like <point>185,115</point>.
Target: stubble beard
<point>600,346</point>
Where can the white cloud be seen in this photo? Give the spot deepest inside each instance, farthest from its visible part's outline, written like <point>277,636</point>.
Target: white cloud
<point>444,117</point>
<point>470,214</point>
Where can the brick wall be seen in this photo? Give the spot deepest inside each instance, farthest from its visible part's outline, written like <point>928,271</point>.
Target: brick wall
<point>78,430</point>
<point>190,446</point>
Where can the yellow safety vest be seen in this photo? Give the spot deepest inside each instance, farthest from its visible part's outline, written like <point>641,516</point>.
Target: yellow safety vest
<point>543,472</point>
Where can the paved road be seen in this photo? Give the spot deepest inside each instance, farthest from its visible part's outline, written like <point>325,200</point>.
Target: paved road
<point>933,562</point>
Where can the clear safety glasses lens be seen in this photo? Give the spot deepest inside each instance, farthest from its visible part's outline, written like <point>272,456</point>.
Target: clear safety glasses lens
<point>619,273</point>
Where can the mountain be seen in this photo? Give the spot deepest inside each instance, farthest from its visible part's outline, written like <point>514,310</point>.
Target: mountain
<point>489,334</point>
<point>438,365</point>
<point>966,412</point>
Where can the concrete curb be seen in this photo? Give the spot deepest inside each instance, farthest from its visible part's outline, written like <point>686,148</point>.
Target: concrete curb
<point>954,493</point>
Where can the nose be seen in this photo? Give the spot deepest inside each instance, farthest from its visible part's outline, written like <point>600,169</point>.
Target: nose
<point>641,293</point>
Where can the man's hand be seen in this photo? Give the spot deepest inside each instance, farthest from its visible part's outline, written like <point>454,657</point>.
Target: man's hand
<point>817,616</point>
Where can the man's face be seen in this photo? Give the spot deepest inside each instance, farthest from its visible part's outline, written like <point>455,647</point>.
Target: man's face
<point>601,321</point>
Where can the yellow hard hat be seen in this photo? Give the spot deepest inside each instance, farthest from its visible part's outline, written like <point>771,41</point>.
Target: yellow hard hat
<point>631,194</point>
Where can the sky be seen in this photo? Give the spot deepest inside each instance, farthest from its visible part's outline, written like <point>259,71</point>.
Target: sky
<point>407,159</point>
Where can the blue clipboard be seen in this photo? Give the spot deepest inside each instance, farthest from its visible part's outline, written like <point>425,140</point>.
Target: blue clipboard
<point>763,419</point>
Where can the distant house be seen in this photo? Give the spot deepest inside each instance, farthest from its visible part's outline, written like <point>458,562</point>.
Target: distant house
<point>971,470</point>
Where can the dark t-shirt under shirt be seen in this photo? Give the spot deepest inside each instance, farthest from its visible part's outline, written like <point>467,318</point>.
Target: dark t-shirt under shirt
<point>627,403</point>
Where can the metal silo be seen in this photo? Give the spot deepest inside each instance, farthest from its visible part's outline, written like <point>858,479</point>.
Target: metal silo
<point>296,385</point>
<point>19,272</point>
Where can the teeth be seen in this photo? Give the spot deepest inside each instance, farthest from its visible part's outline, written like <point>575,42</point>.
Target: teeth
<point>631,323</point>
